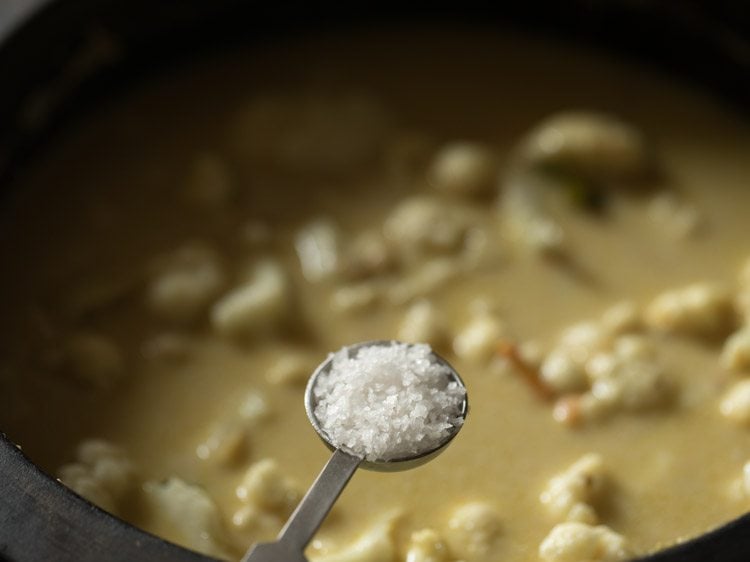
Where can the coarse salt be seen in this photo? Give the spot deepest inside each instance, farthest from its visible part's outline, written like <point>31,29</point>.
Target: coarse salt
<point>387,402</point>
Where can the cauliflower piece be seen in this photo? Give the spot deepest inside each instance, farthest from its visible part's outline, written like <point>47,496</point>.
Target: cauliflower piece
<point>561,372</point>
<point>633,347</point>
<point>579,542</point>
<point>622,318</point>
<point>422,322</point>
<point>632,384</point>
<point>209,183</point>
<point>700,309</point>
<point>375,545</point>
<point>583,340</point>
<point>426,545</point>
<point>258,305</point>
<point>186,514</point>
<point>527,220</point>
<point>565,367</point>
<point>464,169</point>
<point>604,368</point>
<point>227,442</point>
<point>317,245</point>
<point>251,519</point>
<point>254,408</point>
<point>571,494</point>
<point>368,255</point>
<point>427,277</point>
<point>473,531</point>
<point>678,218</point>
<point>478,339</point>
<point>592,145</point>
<point>292,367</point>
<point>264,486</point>
<point>735,356</point>
<point>185,283</point>
<point>735,405</point>
<point>101,473</point>
<point>354,298</point>
<point>225,445</point>
<point>421,224</point>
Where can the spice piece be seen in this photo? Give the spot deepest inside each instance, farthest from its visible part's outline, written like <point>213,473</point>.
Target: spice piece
<point>530,375</point>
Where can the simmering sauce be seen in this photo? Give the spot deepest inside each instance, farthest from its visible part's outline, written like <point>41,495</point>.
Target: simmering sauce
<point>568,231</point>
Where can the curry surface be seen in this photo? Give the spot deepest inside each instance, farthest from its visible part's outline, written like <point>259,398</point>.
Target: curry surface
<point>106,200</point>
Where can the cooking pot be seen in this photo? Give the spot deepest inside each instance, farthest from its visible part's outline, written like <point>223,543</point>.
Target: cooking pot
<point>57,58</point>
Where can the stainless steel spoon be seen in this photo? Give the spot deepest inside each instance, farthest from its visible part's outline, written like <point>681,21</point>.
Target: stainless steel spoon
<point>312,510</point>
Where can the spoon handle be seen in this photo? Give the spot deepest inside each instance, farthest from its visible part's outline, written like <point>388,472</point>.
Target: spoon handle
<point>312,510</point>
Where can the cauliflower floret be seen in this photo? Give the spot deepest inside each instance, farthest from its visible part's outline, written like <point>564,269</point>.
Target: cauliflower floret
<point>579,542</point>
<point>464,169</point>
<point>185,283</point>
<point>225,445</point>
<point>735,356</point>
<point>258,305</point>
<point>101,473</point>
<point>478,339</point>
<point>368,255</point>
<point>263,525</point>
<point>292,367</point>
<point>422,224</point>
<point>317,245</point>
<point>678,218</point>
<point>426,546</point>
<point>264,485</point>
<point>565,367</point>
<point>699,309</point>
<point>622,318</point>
<point>375,545</point>
<point>604,367</point>
<point>572,493</point>
<point>227,442</point>
<point>422,322</point>
<point>561,372</point>
<point>527,220</point>
<point>426,278</point>
<point>632,384</point>
<point>583,340</point>
<point>186,514</point>
<point>588,144</point>
<point>735,405</point>
<point>354,298</point>
<point>473,531</point>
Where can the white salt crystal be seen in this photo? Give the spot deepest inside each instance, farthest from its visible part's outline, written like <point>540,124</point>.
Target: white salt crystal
<point>388,402</point>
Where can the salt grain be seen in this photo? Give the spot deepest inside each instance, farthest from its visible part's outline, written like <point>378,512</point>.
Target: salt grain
<point>387,402</point>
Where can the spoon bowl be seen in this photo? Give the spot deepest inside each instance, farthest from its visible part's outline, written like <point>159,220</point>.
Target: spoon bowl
<point>384,465</point>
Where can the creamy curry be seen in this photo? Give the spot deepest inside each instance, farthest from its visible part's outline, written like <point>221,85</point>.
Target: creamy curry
<point>569,231</point>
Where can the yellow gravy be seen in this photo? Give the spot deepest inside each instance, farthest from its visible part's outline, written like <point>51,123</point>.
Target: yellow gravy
<point>88,232</point>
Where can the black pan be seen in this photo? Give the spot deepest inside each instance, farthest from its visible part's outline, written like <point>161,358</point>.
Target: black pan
<point>56,47</point>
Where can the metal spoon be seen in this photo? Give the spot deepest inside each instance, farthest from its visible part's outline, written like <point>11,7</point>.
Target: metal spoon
<point>312,510</point>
